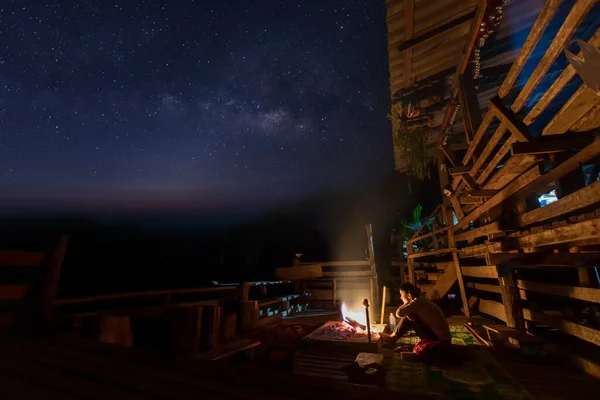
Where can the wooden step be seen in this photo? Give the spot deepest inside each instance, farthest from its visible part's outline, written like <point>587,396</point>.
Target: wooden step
<point>433,276</point>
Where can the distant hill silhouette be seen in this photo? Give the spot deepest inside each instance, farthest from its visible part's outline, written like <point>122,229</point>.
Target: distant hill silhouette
<point>138,252</point>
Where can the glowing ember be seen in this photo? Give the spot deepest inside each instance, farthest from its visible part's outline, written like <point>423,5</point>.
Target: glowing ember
<point>360,317</point>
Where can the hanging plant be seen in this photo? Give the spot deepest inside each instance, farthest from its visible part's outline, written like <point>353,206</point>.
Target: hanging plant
<point>412,143</point>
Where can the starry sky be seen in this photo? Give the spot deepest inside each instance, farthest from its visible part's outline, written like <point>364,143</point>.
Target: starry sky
<point>143,106</point>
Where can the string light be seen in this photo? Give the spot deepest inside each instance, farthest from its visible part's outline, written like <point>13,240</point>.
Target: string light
<point>490,22</point>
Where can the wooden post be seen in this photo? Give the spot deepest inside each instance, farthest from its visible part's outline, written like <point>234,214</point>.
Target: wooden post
<point>249,315</point>
<point>186,330</point>
<point>244,291</point>
<point>455,259</point>
<point>383,305</point>
<point>371,250</point>
<point>469,103</point>
<point>52,278</point>
<point>510,298</point>
<point>334,293</point>
<point>215,327</point>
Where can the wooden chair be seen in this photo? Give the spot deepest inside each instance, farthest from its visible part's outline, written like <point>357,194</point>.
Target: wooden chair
<point>28,286</point>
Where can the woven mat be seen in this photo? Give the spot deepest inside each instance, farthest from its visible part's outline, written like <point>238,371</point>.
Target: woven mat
<point>481,377</point>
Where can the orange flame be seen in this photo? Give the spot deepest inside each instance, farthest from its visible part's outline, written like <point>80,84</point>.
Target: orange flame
<point>360,317</point>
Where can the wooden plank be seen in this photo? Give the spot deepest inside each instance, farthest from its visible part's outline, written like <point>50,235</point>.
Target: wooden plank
<point>510,298</point>
<point>583,101</point>
<point>153,293</point>
<point>230,349</point>
<point>553,144</point>
<point>514,168</point>
<point>51,277</point>
<point>460,19</point>
<point>568,166</point>
<point>484,287</point>
<point>513,124</point>
<point>582,332</point>
<point>340,263</point>
<point>10,258</point>
<point>580,231</point>
<point>427,235</point>
<point>12,292</point>
<point>532,40</point>
<point>573,292</point>
<point>492,308</point>
<point>497,200</point>
<point>566,31</point>
<point>589,122</point>
<point>348,274</point>
<point>463,169</point>
<point>467,95</point>
<point>488,150</point>
<point>300,272</point>
<point>495,161</point>
<point>557,86</point>
<point>409,31</point>
<point>478,250</point>
<point>429,253</point>
<point>484,271</point>
<point>485,124</point>
<point>494,227</point>
<point>558,260</point>
<point>582,198</point>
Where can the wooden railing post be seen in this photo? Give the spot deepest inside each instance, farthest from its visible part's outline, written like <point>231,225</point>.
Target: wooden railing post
<point>510,298</point>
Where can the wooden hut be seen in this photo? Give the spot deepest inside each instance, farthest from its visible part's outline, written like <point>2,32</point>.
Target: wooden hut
<point>509,121</point>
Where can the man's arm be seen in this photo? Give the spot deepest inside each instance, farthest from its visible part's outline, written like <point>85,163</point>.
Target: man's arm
<point>407,309</point>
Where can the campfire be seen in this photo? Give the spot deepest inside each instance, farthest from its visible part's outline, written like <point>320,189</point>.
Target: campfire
<point>357,320</point>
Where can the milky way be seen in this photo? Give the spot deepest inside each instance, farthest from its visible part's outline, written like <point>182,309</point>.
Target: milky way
<point>178,105</point>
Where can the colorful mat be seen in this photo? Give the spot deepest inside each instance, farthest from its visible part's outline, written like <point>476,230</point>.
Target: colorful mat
<point>480,377</point>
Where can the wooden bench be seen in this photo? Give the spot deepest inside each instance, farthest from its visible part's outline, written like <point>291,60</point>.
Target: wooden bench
<point>231,349</point>
<point>28,286</point>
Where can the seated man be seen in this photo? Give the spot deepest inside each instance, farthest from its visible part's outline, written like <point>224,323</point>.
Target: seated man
<point>427,320</point>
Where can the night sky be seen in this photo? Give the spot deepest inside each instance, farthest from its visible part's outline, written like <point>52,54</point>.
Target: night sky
<point>203,106</point>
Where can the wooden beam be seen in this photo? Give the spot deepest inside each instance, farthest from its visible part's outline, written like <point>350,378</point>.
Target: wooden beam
<point>427,235</point>
<point>543,260</point>
<point>478,250</point>
<point>578,12</point>
<point>579,231</point>
<point>583,101</point>
<point>492,308</point>
<point>582,198</point>
<point>573,292</point>
<point>9,258</point>
<point>483,127</point>
<point>484,271</point>
<point>510,298</point>
<point>469,103</point>
<point>429,253</point>
<point>582,332</point>
<point>494,227</point>
<point>459,275</point>
<point>557,86</point>
<point>12,292</point>
<point>460,170</point>
<point>409,31</point>
<point>299,272</point>
<point>51,277</point>
<point>484,287</point>
<point>514,125</point>
<point>590,152</point>
<point>553,144</point>
<point>449,155</point>
<point>532,40</point>
<point>512,169</point>
<point>503,195</point>
<point>460,19</point>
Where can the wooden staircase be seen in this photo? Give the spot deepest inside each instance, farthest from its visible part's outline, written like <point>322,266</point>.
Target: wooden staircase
<point>436,280</point>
